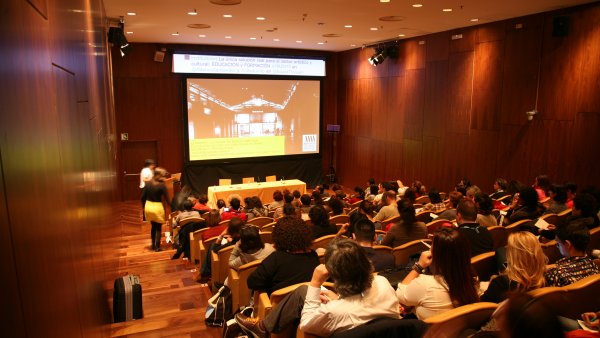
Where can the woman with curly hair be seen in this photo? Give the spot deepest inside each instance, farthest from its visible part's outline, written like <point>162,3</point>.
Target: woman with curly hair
<point>293,261</point>
<point>526,264</point>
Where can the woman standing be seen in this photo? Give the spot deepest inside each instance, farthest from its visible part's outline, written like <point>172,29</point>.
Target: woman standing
<point>154,211</point>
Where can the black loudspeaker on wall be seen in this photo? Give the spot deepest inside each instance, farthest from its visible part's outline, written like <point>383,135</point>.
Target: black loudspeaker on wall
<point>560,25</point>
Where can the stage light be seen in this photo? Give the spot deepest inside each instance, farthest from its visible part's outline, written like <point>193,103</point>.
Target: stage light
<point>116,37</point>
<point>378,57</point>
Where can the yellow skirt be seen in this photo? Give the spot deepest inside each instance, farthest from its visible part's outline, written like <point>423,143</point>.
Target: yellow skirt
<point>155,212</point>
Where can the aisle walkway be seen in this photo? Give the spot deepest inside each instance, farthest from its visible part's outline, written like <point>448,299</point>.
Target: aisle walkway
<point>173,302</point>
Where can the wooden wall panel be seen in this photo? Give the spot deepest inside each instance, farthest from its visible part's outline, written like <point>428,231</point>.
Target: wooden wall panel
<point>460,112</point>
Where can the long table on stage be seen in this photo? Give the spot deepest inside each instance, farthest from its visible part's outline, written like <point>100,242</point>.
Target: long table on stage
<point>264,190</point>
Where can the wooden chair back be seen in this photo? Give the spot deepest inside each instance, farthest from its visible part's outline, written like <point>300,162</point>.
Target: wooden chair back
<point>355,204</point>
<point>268,227</point>
<point>485,265</point>
<point>248,180</point>
<point>271,178</point>
<point>238,283</point>
<point>322,242</point>
<point>453,322</point>
<point>516,226</point>
<point>553,297</point>
<point>436,224</point>
<point>204,245</point>
<point>266,236</point>
<point>225,181</point>
<point>423,200</point>
<point>403,252</point>
<point>260,221</point>
<point>423,216</point>
<point>583,296</point>
<point>551,219</point>
<point>383,248</point>
<point>551,251</point>
<point>219,264</point>
<point>339,219</point>
<point>387,223</point>
<point>562,216</point>
<point>504,198</point>
<point>263,304</point>
<point>443,196</point>
<point>594,240</point>
<point>499,236</point>
<point>195,238</point>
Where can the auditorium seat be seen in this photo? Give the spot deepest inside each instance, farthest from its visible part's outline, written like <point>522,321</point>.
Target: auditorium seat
<point>339,219</point>
<point>238,283</point>
<point>434,225</point>
<point>268,227</point>
<point>260,221</point>
<point>499,236</point>
<point>423,216</point>
<point>562,216</point>
<point>219,264</point>
<point>266,236</point>
<point>423,200</point>
<point>264,304</point>
<point>551,251</point>
<point>383,248</point>
<point>555,298</point>
<point>485,265</point>
<point>551,219</point>
<point>355,204</point>
<point>454,322</point>
<point>204,245</point>
<point>322,242</point>
<point>224,181</point>
<point>503,198</point>
<point>594,240</point>
<point>248,180</point>
<point>403,252</point>
<point>387,223</point>
<point>195,238</point>
<point>516,226</point>
<point>583,296</point>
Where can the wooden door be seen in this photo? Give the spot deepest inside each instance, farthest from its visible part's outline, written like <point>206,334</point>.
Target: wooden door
<point>133,155</point>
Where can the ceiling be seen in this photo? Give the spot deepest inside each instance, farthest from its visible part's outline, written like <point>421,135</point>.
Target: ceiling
<point>309,24</point>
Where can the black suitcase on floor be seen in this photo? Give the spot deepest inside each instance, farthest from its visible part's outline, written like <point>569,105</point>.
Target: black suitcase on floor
<point>127,299</point>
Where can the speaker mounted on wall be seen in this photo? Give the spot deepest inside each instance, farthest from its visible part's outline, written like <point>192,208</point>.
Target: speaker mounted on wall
<point>560,26</point>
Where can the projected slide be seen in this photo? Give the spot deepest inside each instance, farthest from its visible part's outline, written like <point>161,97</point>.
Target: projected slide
<point>238,118</point>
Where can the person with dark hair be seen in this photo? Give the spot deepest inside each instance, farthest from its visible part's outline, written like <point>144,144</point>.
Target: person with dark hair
<point>370,182</point>
<point>454,197</point>
<point>571,193</point>
<point>202,204</point>
<point>221,204</point>
<point>320,220</point>
<point>572,240</point>
<point>249,248</point>
<point>291,263</point>
<point>336,205</point>
<point>524,316</point>
<point>305,207</point>
<point>382,188</point>
<point>584,211</point>
<point>234,210</point>
<point>287,199</point>
<point>372,193</point>
<point>452,282</point>
<point>419,188</point>
<point>364,235</point>
<point>541,186</point>
<point>389,210</point>
<point>213,218</point>
<point>154,211</point>
<point>183,237</point>
<point>146,175</point>
<point>500,186</point>
<point>316,198</point>
<point>558,199</point>
<point>485,206</point>
<point>480,238</point>
<point>361,297</point>
<point>291,211</point>
<point>187,212</point>
<point>358,196</point>
<point>229,236</point>
<point>407,229</point>
<point>410,194</point>
<point>524,206</point>
<point>435,202</point>
<point>277,200</point>
<point>257,209</point>
<point>296,202</point>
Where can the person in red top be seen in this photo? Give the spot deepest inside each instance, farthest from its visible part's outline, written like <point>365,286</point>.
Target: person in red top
<point>234,210</point>
<point>212,222</point>
<point>201,204</point>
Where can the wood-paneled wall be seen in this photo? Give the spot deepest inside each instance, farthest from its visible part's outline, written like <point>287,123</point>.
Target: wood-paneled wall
<point>452,108</point>
<point>57,165</point>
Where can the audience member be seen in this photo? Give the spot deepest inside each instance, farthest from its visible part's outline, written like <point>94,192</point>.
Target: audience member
<point>389,210</point>
<point>410,194</point>
<point>234,210</point>
<point>336,205</point>
<point>472,191</point>
<point>373,190</point>
<point>257,208</point>
<point>293,261</point>
<point>435,204</point>
<point>361,297</point>
<point>541,186</point>
<point>229,236</point>
<point>523,316</point>
<point>221,205</point>
<point>558,199</point>
<point>572,240</point>
<point>453,199</point>
<point>584,211</point>
<point>358,196</point>
<point>364,235</point>
<point>277,200</point>
<point>320,220</point>
<point>370,183</point>
<point>249,248</point>
<point>524,206</point>
<point>296,202</point>
<point>484,211</point>
<point>479,237</point>
<point>407,229</point>
<point>201,204</point>
<point>419,188</point>
<point>213,220</point>
<point>186,213</point>
<point>500,186</point>
<point>571,193</point>
<point>526,264</point>
<point>287,199</point>
<point>452,282</point>
<point>183,236</point>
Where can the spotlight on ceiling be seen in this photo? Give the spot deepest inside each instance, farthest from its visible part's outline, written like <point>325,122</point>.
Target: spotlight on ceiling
<point>378,57</point>
<point>117,38</point>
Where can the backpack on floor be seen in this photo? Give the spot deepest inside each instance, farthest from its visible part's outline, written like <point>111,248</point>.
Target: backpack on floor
<point>219,308</point>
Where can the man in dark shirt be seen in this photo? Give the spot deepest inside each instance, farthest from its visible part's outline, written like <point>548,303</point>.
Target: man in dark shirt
<point>479,237</point>
<point>364,235</point>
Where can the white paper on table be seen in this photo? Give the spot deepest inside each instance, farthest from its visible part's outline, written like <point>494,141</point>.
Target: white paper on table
<point>432,215</point>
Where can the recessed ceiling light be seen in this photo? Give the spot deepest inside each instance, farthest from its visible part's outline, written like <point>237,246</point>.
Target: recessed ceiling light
<point>275,40</point>
<point>201,36</point>
<point>260,18</point>
<point>227,37</point>
<point>474,20</point>
<point>193,12</point>
<point>417,5</point>
<point>352,45</point>
<point>227,16</point>
<point>348,26</point>
<point>401,34</point>
<point>374,28</point>
<point>320,43</point>
<point>175,34</point>
<point>252,38</point>
<point>129,32</point>
<point>298,41</point>
<point>384,0</point>
<point>131,13</point>
<point>447,10</point>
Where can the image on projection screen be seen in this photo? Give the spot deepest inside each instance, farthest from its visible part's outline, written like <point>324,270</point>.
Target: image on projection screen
<point>238,118</point>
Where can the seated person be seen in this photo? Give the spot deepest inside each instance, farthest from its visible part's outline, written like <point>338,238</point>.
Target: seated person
<point>452,282</point>
<point>364,235</point>
<point>277,200</point>
<point>320,220</point>
<point>229,236</point>
<point>358,196</point>
<point>291,263</point>
<point>234,210</point>
<point>183,237</point>
<point>407,229</point>
<point>212,222</point>
<point>526,264</point>
<point>305,207</point>
<point>186,213</point>
<point>584,211</point>
<point>361,297</point>
<point>454,198</point>
<point>296,202</point>
<point>389,210</point>
<point>480,238</point>
<point>571,193</point>
<point>524,206</point>
<point>249,248</point>
<point>287,199</point>
<point>336,205</point>
<point>201,204</point>
<point>484,211</point>
<point>558,199</point>
<point>541,185</point>
<point>436,204</point>
<point>500,186</point>
<point>472,191</point>
<point>256,208</point>
<point>572,240</point>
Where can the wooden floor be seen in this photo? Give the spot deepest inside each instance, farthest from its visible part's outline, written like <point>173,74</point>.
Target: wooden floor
<point>174,303</point>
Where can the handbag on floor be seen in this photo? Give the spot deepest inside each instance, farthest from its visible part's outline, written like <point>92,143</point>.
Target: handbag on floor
<point>219,309</point>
